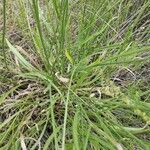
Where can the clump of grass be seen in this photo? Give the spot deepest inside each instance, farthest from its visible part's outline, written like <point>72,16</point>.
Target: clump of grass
<point>65,92</point>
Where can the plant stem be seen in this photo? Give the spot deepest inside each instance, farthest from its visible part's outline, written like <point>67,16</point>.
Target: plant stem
<point>4,32</point>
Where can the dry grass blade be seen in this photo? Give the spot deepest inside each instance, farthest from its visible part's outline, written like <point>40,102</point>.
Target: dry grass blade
<point>23,145</point>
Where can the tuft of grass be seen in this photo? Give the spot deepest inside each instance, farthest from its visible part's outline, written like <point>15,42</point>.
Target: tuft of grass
<point>75,80</point>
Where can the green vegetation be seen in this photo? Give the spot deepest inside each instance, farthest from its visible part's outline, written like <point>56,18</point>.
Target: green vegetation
<point>74,75</point>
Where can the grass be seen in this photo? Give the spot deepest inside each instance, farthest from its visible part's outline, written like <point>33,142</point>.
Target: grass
<point>74,77</point>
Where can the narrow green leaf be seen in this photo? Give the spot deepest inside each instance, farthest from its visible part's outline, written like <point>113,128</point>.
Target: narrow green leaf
<point>75,131</point>
<point>68,55</point>
<point>22,60</point>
